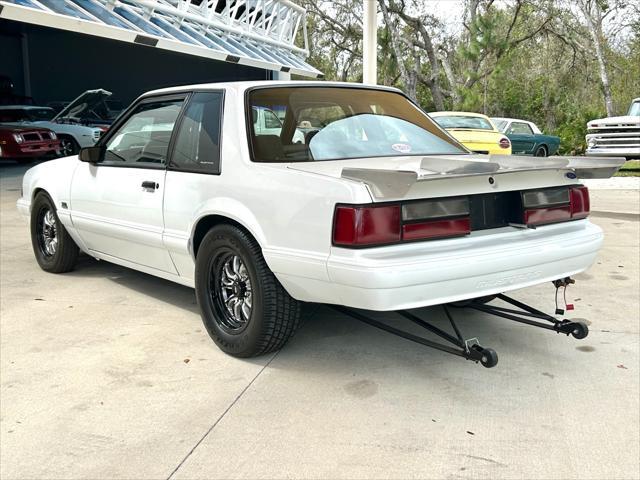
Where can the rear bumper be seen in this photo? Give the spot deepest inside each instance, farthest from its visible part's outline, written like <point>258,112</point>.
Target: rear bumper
<point>487,148</point>
<point>429,273</point>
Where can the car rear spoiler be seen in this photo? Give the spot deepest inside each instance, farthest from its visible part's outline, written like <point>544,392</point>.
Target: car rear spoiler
<point>390,183</point>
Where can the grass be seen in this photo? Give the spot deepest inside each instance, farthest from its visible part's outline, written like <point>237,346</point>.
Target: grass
<point>627,173</point>
<point>631,168</point>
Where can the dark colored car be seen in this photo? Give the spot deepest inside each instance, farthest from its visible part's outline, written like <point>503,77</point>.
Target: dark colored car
<point>24,143</point>
<point>526,138</point>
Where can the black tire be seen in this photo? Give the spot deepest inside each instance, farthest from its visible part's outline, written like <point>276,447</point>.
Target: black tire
<point>541,151</point>
<point>68,146</point>
<point>273,316</point>
<point>62,256</point>
<point>489,358</point>
<point>580,330</point>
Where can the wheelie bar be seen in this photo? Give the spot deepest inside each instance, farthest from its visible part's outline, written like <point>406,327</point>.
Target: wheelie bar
<point>471,348</point>
<point>525,315</point>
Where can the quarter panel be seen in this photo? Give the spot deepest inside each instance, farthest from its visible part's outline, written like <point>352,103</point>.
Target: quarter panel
<point>289,212</point>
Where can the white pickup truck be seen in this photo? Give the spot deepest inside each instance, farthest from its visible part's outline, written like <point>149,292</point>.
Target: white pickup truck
<point>616,136</point>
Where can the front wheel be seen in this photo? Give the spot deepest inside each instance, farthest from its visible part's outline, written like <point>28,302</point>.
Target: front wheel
<point>243,306</point>
<point>55,250</point>
<point>68,146</point>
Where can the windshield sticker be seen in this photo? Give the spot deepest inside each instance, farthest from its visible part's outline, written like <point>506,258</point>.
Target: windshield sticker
<point>401,147</point>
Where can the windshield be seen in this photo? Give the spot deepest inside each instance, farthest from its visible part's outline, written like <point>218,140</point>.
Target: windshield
<point>634,109</point>
<point>460,121</point>
<point>338,123</point>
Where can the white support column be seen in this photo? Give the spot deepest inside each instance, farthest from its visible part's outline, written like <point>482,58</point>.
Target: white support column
<point>370,42</point>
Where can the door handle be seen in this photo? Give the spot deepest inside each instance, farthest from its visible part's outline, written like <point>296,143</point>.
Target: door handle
<point>150,185</point>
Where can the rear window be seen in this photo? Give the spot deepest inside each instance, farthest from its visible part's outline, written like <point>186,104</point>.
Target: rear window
<point>460,121</point>
<point>338,123</point>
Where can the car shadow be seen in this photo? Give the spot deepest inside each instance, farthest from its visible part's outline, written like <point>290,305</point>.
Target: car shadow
<point>329,339</point>
<point>148,285</point>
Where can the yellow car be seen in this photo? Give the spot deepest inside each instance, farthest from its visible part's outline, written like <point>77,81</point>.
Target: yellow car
<point>474,130</point>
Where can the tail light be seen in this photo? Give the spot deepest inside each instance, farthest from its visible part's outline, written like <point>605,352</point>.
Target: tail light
<point>579,201</point>
<point>554,205</point>
<point>504,143</point>
<point>370,225</point>
<point>373,225</point>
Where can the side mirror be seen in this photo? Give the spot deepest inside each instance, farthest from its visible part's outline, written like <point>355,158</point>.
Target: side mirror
<point>92,154</point>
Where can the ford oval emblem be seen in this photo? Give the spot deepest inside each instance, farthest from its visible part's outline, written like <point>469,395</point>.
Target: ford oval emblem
<point>571,175</point>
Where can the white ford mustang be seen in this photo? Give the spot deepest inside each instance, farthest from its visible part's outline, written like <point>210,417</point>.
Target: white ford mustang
<point>378,208</point>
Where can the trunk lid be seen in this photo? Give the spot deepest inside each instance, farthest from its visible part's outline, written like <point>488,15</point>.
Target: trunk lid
<point>475,136</point>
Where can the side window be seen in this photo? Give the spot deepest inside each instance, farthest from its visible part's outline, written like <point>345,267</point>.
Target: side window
<point>520,128</point>
<point>197,146</point>
<point>143,140</point>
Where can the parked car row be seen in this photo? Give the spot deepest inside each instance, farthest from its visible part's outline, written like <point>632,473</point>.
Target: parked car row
<point>500,136</point>
<point>78,124</point>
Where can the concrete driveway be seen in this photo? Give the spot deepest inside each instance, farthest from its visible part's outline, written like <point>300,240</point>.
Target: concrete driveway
<point>108,373</point>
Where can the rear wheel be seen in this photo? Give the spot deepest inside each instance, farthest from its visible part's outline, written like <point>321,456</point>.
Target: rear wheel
<point>243,306</point>
<point>541,151</point>
<point>55,250</point>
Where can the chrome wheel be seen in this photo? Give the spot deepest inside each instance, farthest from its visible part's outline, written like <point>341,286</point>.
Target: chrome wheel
<point>67,147</point>
<point>47,233</point>
<point>231,292</point>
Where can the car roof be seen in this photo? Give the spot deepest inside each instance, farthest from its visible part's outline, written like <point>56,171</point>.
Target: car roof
<point>458,114</point>
<point>533,126</point>
<point>510,119</point>
<point>245,85</point>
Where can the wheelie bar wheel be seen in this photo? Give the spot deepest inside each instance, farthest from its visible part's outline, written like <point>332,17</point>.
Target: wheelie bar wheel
<point>486,356</point>
<point>578,330</point>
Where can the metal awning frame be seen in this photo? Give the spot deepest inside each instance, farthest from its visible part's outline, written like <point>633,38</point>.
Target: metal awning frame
<point>179,26</point>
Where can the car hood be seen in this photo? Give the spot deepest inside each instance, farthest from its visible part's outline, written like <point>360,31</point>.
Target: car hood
<point>624,120</point>
<point>21,127</point>
<point>83,103</point>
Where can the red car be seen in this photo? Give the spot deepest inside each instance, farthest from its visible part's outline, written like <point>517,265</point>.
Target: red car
<point>23,143</point>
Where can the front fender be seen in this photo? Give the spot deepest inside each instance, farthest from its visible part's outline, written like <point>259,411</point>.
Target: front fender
<point>54,177</point>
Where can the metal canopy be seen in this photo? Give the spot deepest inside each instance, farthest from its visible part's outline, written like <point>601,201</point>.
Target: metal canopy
<point>258,33</point>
